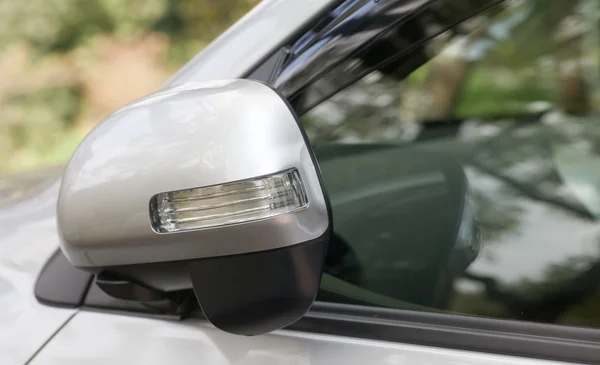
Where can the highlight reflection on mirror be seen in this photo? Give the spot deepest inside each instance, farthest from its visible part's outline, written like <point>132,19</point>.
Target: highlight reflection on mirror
<point>511,109</point>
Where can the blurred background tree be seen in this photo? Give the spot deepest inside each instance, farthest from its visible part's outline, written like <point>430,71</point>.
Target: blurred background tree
<point>66,64</point>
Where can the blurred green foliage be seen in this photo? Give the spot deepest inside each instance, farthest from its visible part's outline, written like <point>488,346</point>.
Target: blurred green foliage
<point>66,64</point>
<point>486,97</point>
<point>61,59</point>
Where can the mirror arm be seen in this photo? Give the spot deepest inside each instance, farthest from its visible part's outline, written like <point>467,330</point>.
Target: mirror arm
<point>179,303</point>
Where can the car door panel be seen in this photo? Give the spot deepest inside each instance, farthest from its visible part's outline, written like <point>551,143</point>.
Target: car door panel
<point>96,338</point>
<point>28,227</point>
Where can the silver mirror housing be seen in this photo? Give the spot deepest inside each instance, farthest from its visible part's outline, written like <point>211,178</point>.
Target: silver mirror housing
<point>214,182</point>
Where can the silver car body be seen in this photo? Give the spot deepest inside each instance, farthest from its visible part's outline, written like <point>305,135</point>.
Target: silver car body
<point>34,333</point>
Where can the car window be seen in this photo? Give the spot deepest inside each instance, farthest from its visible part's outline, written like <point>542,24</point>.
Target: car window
<point>472,185</point>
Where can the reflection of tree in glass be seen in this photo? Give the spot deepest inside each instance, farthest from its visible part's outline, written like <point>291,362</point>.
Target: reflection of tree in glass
<point>500,64</point>
<point>363,112</point>
<point>496,216</point>
<point>565,287</point>
<point>522,158</point>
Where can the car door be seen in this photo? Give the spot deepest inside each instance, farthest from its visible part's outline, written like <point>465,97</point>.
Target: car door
<point>458,146</point>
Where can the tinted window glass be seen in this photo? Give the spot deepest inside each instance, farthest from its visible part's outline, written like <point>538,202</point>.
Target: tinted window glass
<point>473,184</point>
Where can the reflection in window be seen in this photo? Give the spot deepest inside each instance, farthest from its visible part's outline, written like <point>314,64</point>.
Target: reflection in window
<point>512,107</point>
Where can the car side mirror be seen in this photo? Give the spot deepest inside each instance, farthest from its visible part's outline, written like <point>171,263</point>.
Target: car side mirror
<point>212,186</point>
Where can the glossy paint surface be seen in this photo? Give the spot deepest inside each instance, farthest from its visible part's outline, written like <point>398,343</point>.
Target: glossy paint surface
<point>28,237</point>
<point>200,135</point>
<point>93,338</point>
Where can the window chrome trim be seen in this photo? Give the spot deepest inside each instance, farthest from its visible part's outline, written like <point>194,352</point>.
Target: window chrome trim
<point>506,337</point>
